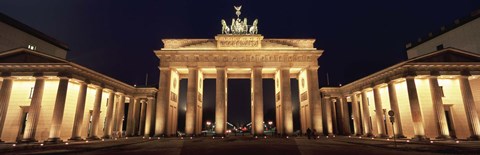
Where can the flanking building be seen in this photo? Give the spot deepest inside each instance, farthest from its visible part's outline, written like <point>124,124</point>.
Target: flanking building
<point>44,97</point>
<point>435,94</point>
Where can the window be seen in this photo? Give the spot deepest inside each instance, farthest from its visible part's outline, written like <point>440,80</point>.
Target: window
<point>441,91</point>
<point>31,93</point>
<point>440,47</point>
<point>32,47</point>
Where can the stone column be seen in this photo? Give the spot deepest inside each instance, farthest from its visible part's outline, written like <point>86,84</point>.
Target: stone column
<point>356,115</point>
<point>79,112</point>
<point>34,109</point>
<point>5,92</point>
<point>328,115</point>
<point>379,112</point>
<point>220,101</point>
<point>417,118</point>
<point>345,117</point>
<point>163,97</point>
<point>315,100</point>
<point>366,115</point>
<point>136,118</point>
<point>286,98</point>
<point>58,110</point>
<point>470,107</point>
<point>192,92</point>
<point>109,120</point>
<point>120,113</point>
<point>130,118</point>
<point>397,125</point>
<point>149,115</point>
<point>257,97</point>
<point>334,115</point>
<point>97,104</point>
<point>439,111</point>
<point>142,118</point>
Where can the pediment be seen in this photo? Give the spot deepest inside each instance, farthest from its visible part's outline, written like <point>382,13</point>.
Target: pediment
<point>27,56</point>
<point>449,55</point>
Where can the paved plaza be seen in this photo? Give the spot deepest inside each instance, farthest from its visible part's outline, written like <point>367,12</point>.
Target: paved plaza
<point>246,146</point>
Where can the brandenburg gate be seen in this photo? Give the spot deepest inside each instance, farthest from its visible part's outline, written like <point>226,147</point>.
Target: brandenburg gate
<point>238,53</point>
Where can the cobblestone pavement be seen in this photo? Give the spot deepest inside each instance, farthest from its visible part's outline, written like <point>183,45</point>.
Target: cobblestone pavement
<point>246,146</point>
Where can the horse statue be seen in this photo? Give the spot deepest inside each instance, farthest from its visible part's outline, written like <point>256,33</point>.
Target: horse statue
<point>254,27</point>
<point>225,29</point>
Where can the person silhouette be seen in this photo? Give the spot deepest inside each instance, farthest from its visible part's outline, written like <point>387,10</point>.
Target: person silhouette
<point>309,132</point>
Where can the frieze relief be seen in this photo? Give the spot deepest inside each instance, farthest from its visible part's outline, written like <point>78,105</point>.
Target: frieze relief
<point>238,58</point>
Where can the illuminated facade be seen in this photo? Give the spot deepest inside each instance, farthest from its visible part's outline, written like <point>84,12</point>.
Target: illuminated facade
<point>433,96</point>
<point>44,97</point>
<point>237,57</point>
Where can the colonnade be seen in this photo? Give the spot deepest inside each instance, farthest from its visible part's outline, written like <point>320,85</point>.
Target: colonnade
<point>139,120</point>
<point>360,111</point>
<point>166,118</point>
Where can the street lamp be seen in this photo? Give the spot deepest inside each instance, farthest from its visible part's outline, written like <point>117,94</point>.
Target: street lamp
<point>208,125</point>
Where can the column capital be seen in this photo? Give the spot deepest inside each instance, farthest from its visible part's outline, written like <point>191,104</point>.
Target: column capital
<point>434,73</point>
<point>64,75</point>
<point>38,75</point>
<point>313,67</point>
<point>120,93</point>
<point>465,73</point>
<point>410,74</point>
<point>6,74</point>
<point>192,67</point>
<point>221,67</point>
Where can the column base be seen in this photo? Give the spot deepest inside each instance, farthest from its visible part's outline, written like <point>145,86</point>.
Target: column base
<point>420,138</point>
<point>474,138</point>
<point>382,136</point>
<point>368,135</point>
<point>29,140</point>
<point>93,138</point>
<point>76,139</point>
<point>443,137</point>
<point>400,136</point>
<point>53,140</point>
<point>107,137</point>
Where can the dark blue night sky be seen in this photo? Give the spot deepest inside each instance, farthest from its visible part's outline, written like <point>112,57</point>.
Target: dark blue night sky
<point>117,37</point>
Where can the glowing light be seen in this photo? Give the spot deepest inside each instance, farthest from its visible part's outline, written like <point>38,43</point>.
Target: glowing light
<point>103,140</point>
<point>191,137</point>
<point>143,137</point>
<point>287,137</point>
<point>388,139</point>
<point>65,144</point>
<point>265,137</point>
<point>373,138</point>
<point>181,137</point>
<point>14,145</point>
<point>256,137</point>
<point>126,137</point>
<point>149,137</point>
<point>158,137</point>
<point>318,137</point>
<point>222,137</point>
<point>349,136</point>
<point>360,137</point>
<point>42,144</point>
<point>86,141</point>
<point>333,136</point>
<point>408,141</point>
<point>326,137</point>
<point>116,138</point>
<point>213,137</point>
<point>431,142</point>
<point>457,141</point>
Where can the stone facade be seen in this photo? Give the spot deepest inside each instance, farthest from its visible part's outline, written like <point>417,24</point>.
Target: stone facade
<point>238,56</point>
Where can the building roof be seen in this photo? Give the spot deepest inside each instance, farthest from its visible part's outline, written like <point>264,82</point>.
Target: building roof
<point>450,58</point>
<point>27,29</point>
<point>444,29</point>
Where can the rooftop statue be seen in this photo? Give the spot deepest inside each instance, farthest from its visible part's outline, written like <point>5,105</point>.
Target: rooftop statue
<point>238,26</point>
